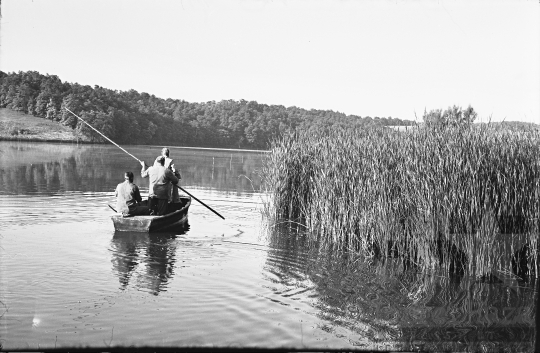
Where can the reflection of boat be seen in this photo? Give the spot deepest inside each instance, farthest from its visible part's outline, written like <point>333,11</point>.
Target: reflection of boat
<point>174,221</point>
<point>145,260</point>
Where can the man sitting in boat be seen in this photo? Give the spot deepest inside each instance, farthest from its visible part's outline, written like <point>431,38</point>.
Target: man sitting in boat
<point>173,192</point>
<point>160,181</point>
<point>128,198</point>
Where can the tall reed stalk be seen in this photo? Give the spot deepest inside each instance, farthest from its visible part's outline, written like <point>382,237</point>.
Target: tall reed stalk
<point>461,198</point>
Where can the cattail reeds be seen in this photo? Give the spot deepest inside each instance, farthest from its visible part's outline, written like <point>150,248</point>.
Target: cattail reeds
<point>465,199</point>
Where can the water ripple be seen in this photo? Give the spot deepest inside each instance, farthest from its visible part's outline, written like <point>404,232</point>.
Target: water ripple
<point>70,207</point>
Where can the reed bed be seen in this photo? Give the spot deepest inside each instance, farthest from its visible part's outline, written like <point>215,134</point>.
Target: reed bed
<point>465,199</point>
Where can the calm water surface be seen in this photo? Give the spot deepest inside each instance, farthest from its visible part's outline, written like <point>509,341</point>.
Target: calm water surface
<point>68,280</point>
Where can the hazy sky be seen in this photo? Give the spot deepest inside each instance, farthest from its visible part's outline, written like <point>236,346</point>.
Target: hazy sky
<point>369,58</point>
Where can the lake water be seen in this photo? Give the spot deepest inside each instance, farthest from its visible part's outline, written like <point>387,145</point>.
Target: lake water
<point>67,280</point>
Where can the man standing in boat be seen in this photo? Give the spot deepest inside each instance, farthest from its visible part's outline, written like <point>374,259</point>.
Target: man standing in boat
<point>160,183</point>
<point>128,198</point>
<point>173,192</point>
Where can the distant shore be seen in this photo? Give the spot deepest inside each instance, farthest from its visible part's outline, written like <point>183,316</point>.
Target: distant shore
<point>18,126</point>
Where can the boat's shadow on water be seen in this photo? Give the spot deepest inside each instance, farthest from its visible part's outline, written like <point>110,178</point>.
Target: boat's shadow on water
<point>144,260</point>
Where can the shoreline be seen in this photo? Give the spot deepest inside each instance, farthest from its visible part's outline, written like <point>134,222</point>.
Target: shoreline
<point>49,140</point>
<point>19,126</point>
<point>37,139</point>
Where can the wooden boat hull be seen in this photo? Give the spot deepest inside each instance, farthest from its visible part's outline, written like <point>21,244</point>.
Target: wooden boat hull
<point>174,221</point>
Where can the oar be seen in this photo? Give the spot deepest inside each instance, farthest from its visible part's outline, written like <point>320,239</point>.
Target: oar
<point>112,208</point>
<point>202,203</point>
<point>111,141</point>
<point>138,160</point>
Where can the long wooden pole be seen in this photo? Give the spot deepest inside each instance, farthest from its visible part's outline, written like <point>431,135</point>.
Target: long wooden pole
<point>202,203</point>
<point>108,139</point>
<point>138,160</point>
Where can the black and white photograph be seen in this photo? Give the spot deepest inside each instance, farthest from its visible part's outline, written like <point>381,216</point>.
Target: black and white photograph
<point>269,175</point>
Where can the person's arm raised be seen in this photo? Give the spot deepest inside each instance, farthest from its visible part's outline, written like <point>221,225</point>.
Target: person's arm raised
<point>144,173</point>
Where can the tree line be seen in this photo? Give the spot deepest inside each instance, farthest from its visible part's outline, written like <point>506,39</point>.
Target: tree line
<point>130,117</point>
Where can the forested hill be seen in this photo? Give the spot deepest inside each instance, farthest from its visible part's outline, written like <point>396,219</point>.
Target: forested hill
<point>130,117</point>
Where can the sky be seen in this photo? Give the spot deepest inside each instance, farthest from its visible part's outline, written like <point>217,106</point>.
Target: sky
<point>385,58</point>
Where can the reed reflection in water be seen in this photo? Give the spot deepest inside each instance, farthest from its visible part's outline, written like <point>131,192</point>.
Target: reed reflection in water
<point>69,280</point>
<point>386,305</point>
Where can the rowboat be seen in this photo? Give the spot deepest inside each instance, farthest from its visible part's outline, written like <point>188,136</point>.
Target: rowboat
<point>175,220</point>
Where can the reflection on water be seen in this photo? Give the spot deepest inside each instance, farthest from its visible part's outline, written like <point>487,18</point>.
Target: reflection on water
<point>145,260</point>
<point>69,280</point>
<point>49,179</point>
<point>400,309</point>
<point>47,168</point>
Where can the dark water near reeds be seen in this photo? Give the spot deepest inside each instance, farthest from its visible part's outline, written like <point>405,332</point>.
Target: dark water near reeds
<point>68,280</point>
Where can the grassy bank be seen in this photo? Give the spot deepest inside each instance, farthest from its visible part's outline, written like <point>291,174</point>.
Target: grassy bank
<point>19,126</point>
<point>466,200</point>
